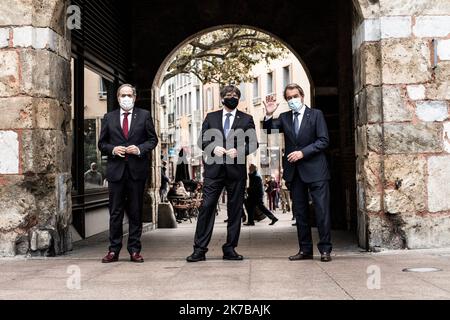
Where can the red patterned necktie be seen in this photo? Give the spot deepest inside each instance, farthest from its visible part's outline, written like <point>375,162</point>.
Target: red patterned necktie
<point>125,124</point>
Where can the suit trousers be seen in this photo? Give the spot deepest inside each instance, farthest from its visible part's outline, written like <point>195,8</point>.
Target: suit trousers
<point>126,195</point>
<point>252,204</point>
<point>212,190</point>
<point>320,193</point>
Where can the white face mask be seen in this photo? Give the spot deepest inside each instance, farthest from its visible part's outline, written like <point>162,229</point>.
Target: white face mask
<point>126,103</point>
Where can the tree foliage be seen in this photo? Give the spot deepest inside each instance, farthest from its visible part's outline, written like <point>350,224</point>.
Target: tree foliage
<point>226,55</point>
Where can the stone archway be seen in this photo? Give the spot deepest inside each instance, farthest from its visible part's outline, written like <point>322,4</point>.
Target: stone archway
<point>35,180</point>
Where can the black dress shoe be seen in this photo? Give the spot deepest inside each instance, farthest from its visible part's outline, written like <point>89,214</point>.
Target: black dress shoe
<point>249,224</point>
<point>196,256</point>
<point>325,257</point>
<point>301,256</point>
<point>111,257</point>
<point>274,220</point>
<point>232,256</point>
<point>294,224</point>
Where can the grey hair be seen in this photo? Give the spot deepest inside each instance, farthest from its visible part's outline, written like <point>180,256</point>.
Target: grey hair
<point>126,85</point>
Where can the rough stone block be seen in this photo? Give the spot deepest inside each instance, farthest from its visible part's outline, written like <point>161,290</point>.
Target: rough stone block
<point>19,113</point>
<point>405,61</point>
<point>395,105</point>
<point>4,37</point>
<point>9,73</point>
<point>45,151</point>
<point>443,71</point>
<point>414,8</point>
<point>361,137</point>
<point>40,240</point>
<point>8,244</point>
<point>45,74</point>
<point>371,64</point>
<point>17,208</point>
<point>432,110</point>
<point>395,27</point>
<point>23,36</point>
<point>405,183</point>
<point>438,90</point>
<point>443,49</point>
<point>50,13</point>
<point>446,137</point>
<point>374,138</point>
<point>438,183</point>
<point>371,177</point>
<point>385,232</point>
<point>412,138</point>
<point>432,26</point>
<point>368,105</point>
<point>416,92</point>
<point>367,31</point>
<point>16,12</point>
<point>9,156</point>
<point>428,231</point>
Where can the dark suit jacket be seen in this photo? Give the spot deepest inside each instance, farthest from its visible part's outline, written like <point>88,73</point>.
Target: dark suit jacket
<point>312,140</point>
<point>141,134</point>
<point>255,189</point>
<point>243,138</point>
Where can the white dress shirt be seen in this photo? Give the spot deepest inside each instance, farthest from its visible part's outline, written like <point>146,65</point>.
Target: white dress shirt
<point>232,117</point>
<point>122,116</point>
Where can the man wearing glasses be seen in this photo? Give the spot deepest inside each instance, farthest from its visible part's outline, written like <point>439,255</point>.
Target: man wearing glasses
<point>228,137</point>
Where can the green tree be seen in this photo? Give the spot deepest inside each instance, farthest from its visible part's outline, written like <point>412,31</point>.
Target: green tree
<point>225,55</point>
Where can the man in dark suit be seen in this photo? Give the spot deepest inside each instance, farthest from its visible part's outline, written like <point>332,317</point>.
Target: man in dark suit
<point>304,167</point>
<point>127,136</point>
<point>228,136</point>
<point>255,196</point>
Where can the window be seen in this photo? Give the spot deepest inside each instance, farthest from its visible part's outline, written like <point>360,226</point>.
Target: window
<point>102,89</point>
<point>286,76</point>
<point>242,89</point>
<point>177,107</point>
<point>269,87</point>
<point>256,95</point>
<point>190,103</point>
<point>209,99</point>
<point>95,106</point>
<point>197,99</point>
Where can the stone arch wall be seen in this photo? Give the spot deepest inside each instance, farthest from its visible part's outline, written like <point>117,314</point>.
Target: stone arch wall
<point>402,62</point>
<point>35,181</point>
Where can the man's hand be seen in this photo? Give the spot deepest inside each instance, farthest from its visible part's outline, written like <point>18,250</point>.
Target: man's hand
<point>219,151</point>
<point>295,156</point>
<point>232,153</point>
<point>119,151</point>
<point>133,150</point>
<point>271,105</point>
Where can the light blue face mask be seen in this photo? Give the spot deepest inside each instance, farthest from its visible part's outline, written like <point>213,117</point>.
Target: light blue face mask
<point>295,104</point>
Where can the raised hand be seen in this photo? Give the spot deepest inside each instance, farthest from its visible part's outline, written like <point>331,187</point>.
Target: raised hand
<point>271,105</point>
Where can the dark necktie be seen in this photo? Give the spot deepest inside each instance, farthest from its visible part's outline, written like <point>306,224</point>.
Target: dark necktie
<point>296,124</point>
<point>226,127</point>
<point>125,124</point>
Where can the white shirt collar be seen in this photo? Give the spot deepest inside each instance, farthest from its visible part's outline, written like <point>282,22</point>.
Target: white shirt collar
<point>123,111</point>
<point>300,111</point>
<point>233,113</point>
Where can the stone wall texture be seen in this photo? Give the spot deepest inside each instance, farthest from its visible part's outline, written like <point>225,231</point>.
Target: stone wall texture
<point>35,162</point>
<point>402,95</point>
